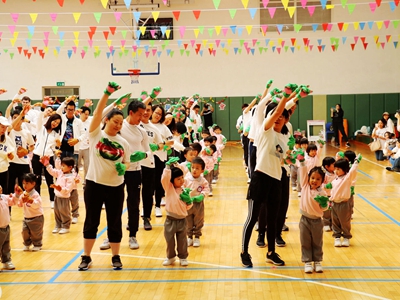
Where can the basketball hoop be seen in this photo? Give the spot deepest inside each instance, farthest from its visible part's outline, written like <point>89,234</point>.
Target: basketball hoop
<point>134,74</point>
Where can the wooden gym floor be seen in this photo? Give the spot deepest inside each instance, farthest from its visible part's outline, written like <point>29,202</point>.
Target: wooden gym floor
<point>368,269</point>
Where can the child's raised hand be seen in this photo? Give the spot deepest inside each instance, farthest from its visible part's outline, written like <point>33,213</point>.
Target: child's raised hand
<point>88,103</point>
<point>17,189</point>
<point>172,161</point>
<point>22,90</point>
<point>121,100</point>
<point>2,91</point>
<point>155,92</point>
<point>56,187</point>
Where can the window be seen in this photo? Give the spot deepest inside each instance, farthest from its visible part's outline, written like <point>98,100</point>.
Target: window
<point>60,92</point>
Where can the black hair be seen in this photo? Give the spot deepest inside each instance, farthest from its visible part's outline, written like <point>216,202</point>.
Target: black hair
<point>311,147</point>
<point>217,127</point>
<point>172,125</point>
<point>29,177</point>
<point>52,118</point>
<point>196,106</point>
<point>303,141</point>
<point>85,109</point>
<point>327,161</point>
<point>16,112</point>
<point>214,138</point>
<point>317,170</point>
<point>298,141</point>
<point>111,114</point>
<point>198,160</point>
<point>383,121</point>
<point>196,147</point>
<point>214,148</point>
<point>26,98</point>
<point>208,139</point>
<point>205,131</point>
<point>162,119</point>
<point>71,103</point>
<point>175,173</point>
<point>68,161</point>
<point>187,149</point>
<point>350,155</point>
<point>180,127</point>
<point>398,139</point>
<point>135,105</point>
<point>271,106</point>
<point>342,164</point>
<point>244,105</point>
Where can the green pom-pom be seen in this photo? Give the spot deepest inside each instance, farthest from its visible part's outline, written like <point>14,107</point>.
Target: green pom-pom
<point>291,142</point>
<point>269,83</point>
<point>322,200</point>
<point>121,168</point>
<point>205,172</point>
<point>172,161</point>
<point>198,198</point>
<point>200,129</point>
<point>111,88</point>
<point>154,93</point>
<point>359,158</point>
<point>123,99</point>
<point>352,190</point>
<point>137,156</point>
<point>321,142</point>
<point>153,147</point>
<point>328,186</point>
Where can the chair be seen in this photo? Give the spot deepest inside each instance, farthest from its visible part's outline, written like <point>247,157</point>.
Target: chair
<point>328,131</point>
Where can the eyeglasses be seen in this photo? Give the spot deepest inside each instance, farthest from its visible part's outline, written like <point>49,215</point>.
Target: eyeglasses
<point>70,109</point>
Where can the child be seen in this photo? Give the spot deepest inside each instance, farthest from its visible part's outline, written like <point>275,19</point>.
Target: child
<point>351,156</point>
<point>221,140</point>
<point>217,157</point>
<point>394,158</point>
<point>211,163</point>
<point>303,145</point>
<point>390,143</point>
<point>205,133</point>
<point>311,225</point>
<point>63,187</point>
<point>329,168</point>
<point>5,249</point>
<point>196,147</point>
<point>189,154</point>
<point>313,156</point>
<point>175,223</point>
<point>340,195</point>
<point>32,225</point>
<point>199,190</point>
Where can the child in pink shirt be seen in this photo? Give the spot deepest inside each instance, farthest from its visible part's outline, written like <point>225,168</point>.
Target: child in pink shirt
<point>211,164</point>
<point>175,224</point>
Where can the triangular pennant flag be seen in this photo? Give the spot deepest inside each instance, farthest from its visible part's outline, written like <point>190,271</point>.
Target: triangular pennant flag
<point>319,41</point>
<point>168,33</point>
<point>355,39</point>
<point>325,26</point>
<point>264,29</point>
<point>355,25</point>
<point>153,33</point>
<point>233,28</point>
<point>351,7</point>
<point>210,31</point>
<point>83,54</point>
<point>155,15</point>
<point>386,23</point>
<point>383,45</point>
<point>395,23</point>
<point>352,46</point>
<point>60,2</point>
<point>216,3</point>
<point>245,3</point>
<point>388,38</point>
<point>163,29</point>
<point>123,33</point>
<point>196,32</point>
<point>395,44</point>
<point>378,2</point>
<point>33,17</point>
<point>105,33</point>
<point>379,24</point>
<point>142,29</point>
<point>15,17</point>
<point>314,27</point>
<point>370,24</point>
<point>90,42</point>
<point>136,15</point>
<point>97,16</point>
<point>26,51</point>
<point>11,55</point>
<point>55,29</point>
<point>196,14</point>
<point>323,3</point>
<point>74,49</point>
<point>201,29</point>
<point>58,49</point>
<point>363,39</point>
<point>397,2</point>
<point>182,30</point>
<point>293,41</point>
<point>117,15</point>
<point>61,35</point>
<point>240,31</point>
<point>253,12</point>
<point>303,3</point>
<point>104,3</point>
<point>218,29</point>
<point>372,6</point>
<point>34,49</point>
<point>76,17</point>
<point>365,46</point>
<point>28,42</point>
<point>285,4</point>
<point>224,31</point>
<point>93,29</point>
<point>297,27</point>
<point>53,16</point>
<point>271,11</point>
<point>232,13</point>
<point>46,34</point>
<point>291,11</point>
<point>76,42</point>
<point>127,4</point>
<point>249,28</point>
<point>176,14</point>
<point>76,35</point>
<point>345,26</point>
<point>311,10</point>
<point>392,5</point>
<point>344,2</point>
<point>279,28</point>
<point>81,1</point>
<point>31,30</point>
<point>19,49</point>
<point>362,25</point>
<point>112,30</point>
<point>11,28</point>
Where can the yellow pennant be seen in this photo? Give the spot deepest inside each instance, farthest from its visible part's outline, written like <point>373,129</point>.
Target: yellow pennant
<point>298,47</point>
<point>249,28</point>
<point>306,48</point>
<point>155,15</point>
<point>271,43</point>
<point>33,17</point>
<point>218,29</point>
<point>280,41</point>
<point>96,48</point>
<point>108,43</point>
<point>140,51</point>
<point>15,34</point>
<point>345,26</point>
<point>76,17</point>
<point>196,32</point>
<point>205,43</point>
<point>76,35</point>
<point>291,11</point>
<point>122,48</point>
<point>142,29</point>
<point>210,46</point>
<point>46,49</point>
<point>104,3</point>
<point>134,54</point>
<point>285,4</point>
<point>330,6</point>
<point>76,42</point>
<point>356,24</point>
<point>12,42</point>
<point>167,33</point>
<point>229,42</point>
<point>245,3</point>
<point>376,38</point>
<point>55,52</point>
<point>226,51</point>
<point>379,24</point>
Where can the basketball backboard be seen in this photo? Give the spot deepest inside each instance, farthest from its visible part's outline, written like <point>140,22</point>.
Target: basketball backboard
<point>144,58</point>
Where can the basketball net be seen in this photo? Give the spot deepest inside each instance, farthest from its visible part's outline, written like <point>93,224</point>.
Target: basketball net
<point>134,74</point>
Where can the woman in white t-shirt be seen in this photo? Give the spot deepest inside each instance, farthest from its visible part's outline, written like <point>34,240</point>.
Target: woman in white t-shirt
<point>7,148</point>
<point>109,158</point>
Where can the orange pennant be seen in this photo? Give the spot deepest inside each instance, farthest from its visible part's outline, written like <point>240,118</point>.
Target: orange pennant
<point>176,14</point>
<point>112,29</point>
<point>196,14</point>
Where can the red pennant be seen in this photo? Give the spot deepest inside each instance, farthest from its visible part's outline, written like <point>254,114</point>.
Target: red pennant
<point>176,14</point>
<point>112,29</point>
<point>388,38</point>
<point>29,55</point>
<point>19,49</point>
<point>363,39</point>
<point>25,51</point>
<point>40,51</point>
<point>60,2</point>
<point>305,41</point>
<point>106,34</point>
<point>42,55</point>
<point>378,2</point>
<point>196,14</point>
<point>325,26</point>
<point>81,1</point>
<point>383,45</point>
<point>293,41</point>
<point>396,2</point>
<point>4,1</point>
<point>311,46</point>
<point>319,48</point>
<point>352,46</point>
<point>198,46</point>
<point>340,25</point>
<point>93,29</point>
<point>90,33</point>
<point>365,46</point>
<point>333,47</point>
<point>34,49</point>
<point>210,50</point>
<point>185,46</point>
<point>197,51</point>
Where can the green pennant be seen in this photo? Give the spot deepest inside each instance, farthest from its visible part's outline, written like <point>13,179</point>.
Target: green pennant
<point>241,43</point>
<point>332,40</point>
<point>266,49</point>
<point>163,47</point>
<point>171,53</point>
<point>260,49</point>
<point>152,43</point>
<point>258,43</point>
<point>297,27</point>
<point>62,43</point>
<point>126,52</point>
<point>187,52</point>
<point>5,50</point>
<point>216,3</point>
<point>97,16</point>
<point>85,48</point>
<point>201,29</point>
<point>166,42</point>
<point>344,2</point>
<point>210,31</point>
<point>182,51</point>
<point>123,32</point>
<point>240,51</point>
<point>30,35</point>
<point>351,7</point>
<point>120,54</point>
<point>232,12</point>
<point>286,48</point>
<point>55,29</point>
<point>12,55</point>
<point>395,23</point>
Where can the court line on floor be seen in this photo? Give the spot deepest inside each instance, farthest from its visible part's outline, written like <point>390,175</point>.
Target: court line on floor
<point>379,210</point>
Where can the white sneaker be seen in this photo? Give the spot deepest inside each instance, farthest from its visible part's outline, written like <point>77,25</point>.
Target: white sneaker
<point>327,228</point>
<point>52,204</point>
<point>196,242</point>
<point>346,242</point>
<point>36,248</point>
<point>248,180</point>
<point>214,181</point>
<point>158,212</point>
<point>318,267</point>
<point>183,262</point>
<point>8,265</point>
<point>162,202</point>
<point>299,194</point>
<point>190,242</point>
<point>210,194</point>
<point>105,245</point>
<point>103,206</point>
<point>27,248</point>
<point>74,220</point>
<point>56,230</point>
<point>63,231</point>
<point>308,268</point>
<point>256,227</point>
<point>338,243</point>
<point>133,243</point>
<point>294,188</point>
<point>169,261</point>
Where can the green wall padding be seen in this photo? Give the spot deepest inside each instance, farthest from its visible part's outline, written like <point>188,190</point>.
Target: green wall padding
<point>349,107</point>
<point>362,108</point>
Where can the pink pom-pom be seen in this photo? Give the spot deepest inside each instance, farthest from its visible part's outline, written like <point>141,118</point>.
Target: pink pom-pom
<point>287,90</point>
<point>303,94</point>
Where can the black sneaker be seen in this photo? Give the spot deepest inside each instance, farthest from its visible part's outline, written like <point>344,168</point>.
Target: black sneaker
<point>246,260</point>
<point>275,259</point>
<point>146,224</point>
<point>389,169</point>
<point>116,262</point>
<point>85,263</point>
<point>280,242</point>
<point>260,240</point>
<point>348,145</point>
<point>285,228</point>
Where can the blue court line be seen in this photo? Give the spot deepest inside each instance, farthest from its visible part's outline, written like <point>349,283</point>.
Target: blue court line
<point>62,270</point>
<point>380,210</point>
<point>365,174</point>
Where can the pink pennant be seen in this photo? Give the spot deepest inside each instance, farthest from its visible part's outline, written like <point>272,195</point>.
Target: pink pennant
<point>46,34</point>
<point>192,42</point>
<point>303,3</point>
<point>372,6</point>
<point>311,10</point>
<point>224,31</point>
<point>154,51</point>
<point>134,47</point>
<point>152,32</point>
<point>217,42</point>
<point>279,50</point>
<point>246,45</point>
<point>283,43</point>
<point>265,3</point>
<point>383,45</point>
<point>117,16</point>
<point>53,16</point>
<point>271,11</point>
<point>90,42</point>
<point>165,2</point>
<point>111,48</point>
<point>74,49</point>
<point>254,42</point>
<point>123,43</point>
<point>147,53</point>
<point>330,26</point>
<point>182,30</point>
<point>83,53</point>
<point>264,29</point>
<point>355,39</point>
<point>387,23</point>
<point>15,17</point>
<point>46,42</point>
<point>11,28</point>
<point>311,46</point>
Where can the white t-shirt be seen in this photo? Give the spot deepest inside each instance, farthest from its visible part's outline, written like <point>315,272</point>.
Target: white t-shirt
<point>24,139</point>
<point>166,135</point>
<point>6,147</point>
<point>84,144</point>
<point>153,137</point>
<point>137,138</point>
<point>104,152</point>
<point>45,142</point>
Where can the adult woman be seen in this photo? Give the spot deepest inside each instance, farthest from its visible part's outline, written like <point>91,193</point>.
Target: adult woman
<point>337,123</point>
<point>109,157</point>
<point>47,140</point>
<point>206,113</point>
<point>379,134</point>
<point>160,156</point>
<point>389,122</point>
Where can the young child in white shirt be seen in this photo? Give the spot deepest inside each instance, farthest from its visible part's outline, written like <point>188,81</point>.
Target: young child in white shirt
<point>328,165</point>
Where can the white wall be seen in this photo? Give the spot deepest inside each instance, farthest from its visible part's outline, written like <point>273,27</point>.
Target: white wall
<point>345,71</point>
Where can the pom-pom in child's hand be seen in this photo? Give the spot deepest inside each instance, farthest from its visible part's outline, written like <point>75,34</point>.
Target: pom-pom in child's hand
<point>322,200</point>
<point>137,156</point>
<point>121,168</point>
<point>328,186</point>
<point>321,142</point>
<point>172,161</point>
<point>198,198</point>
<point>205,172</point>
<point>88,103</point>
<point>56,187</point>
<point>291,142</point>
<point>289,160</point>
<point>155,92</point>
<point>303,92</point>
<point>215,167</point>
<point>358,158</point>
<point>200,129</point>
<point>339,155</point>
<point>185,196</point>
<point>289,88</point>
<point>2,91</point>
<point>121,100</point>
<point>269,83</point>
<point>300,155</point>
<point>153,147</point>
<point>189,166</point>
<point>111,88</point>
<point>219,159</point>
<point>275,91</point>
<point>17,190</point>
<point>196,96</point>
<point>275,99</point>
<point>258,97</point>
<point>207,151</point>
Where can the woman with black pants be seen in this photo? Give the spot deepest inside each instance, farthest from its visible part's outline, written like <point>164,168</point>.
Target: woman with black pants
<point>337,123</point>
